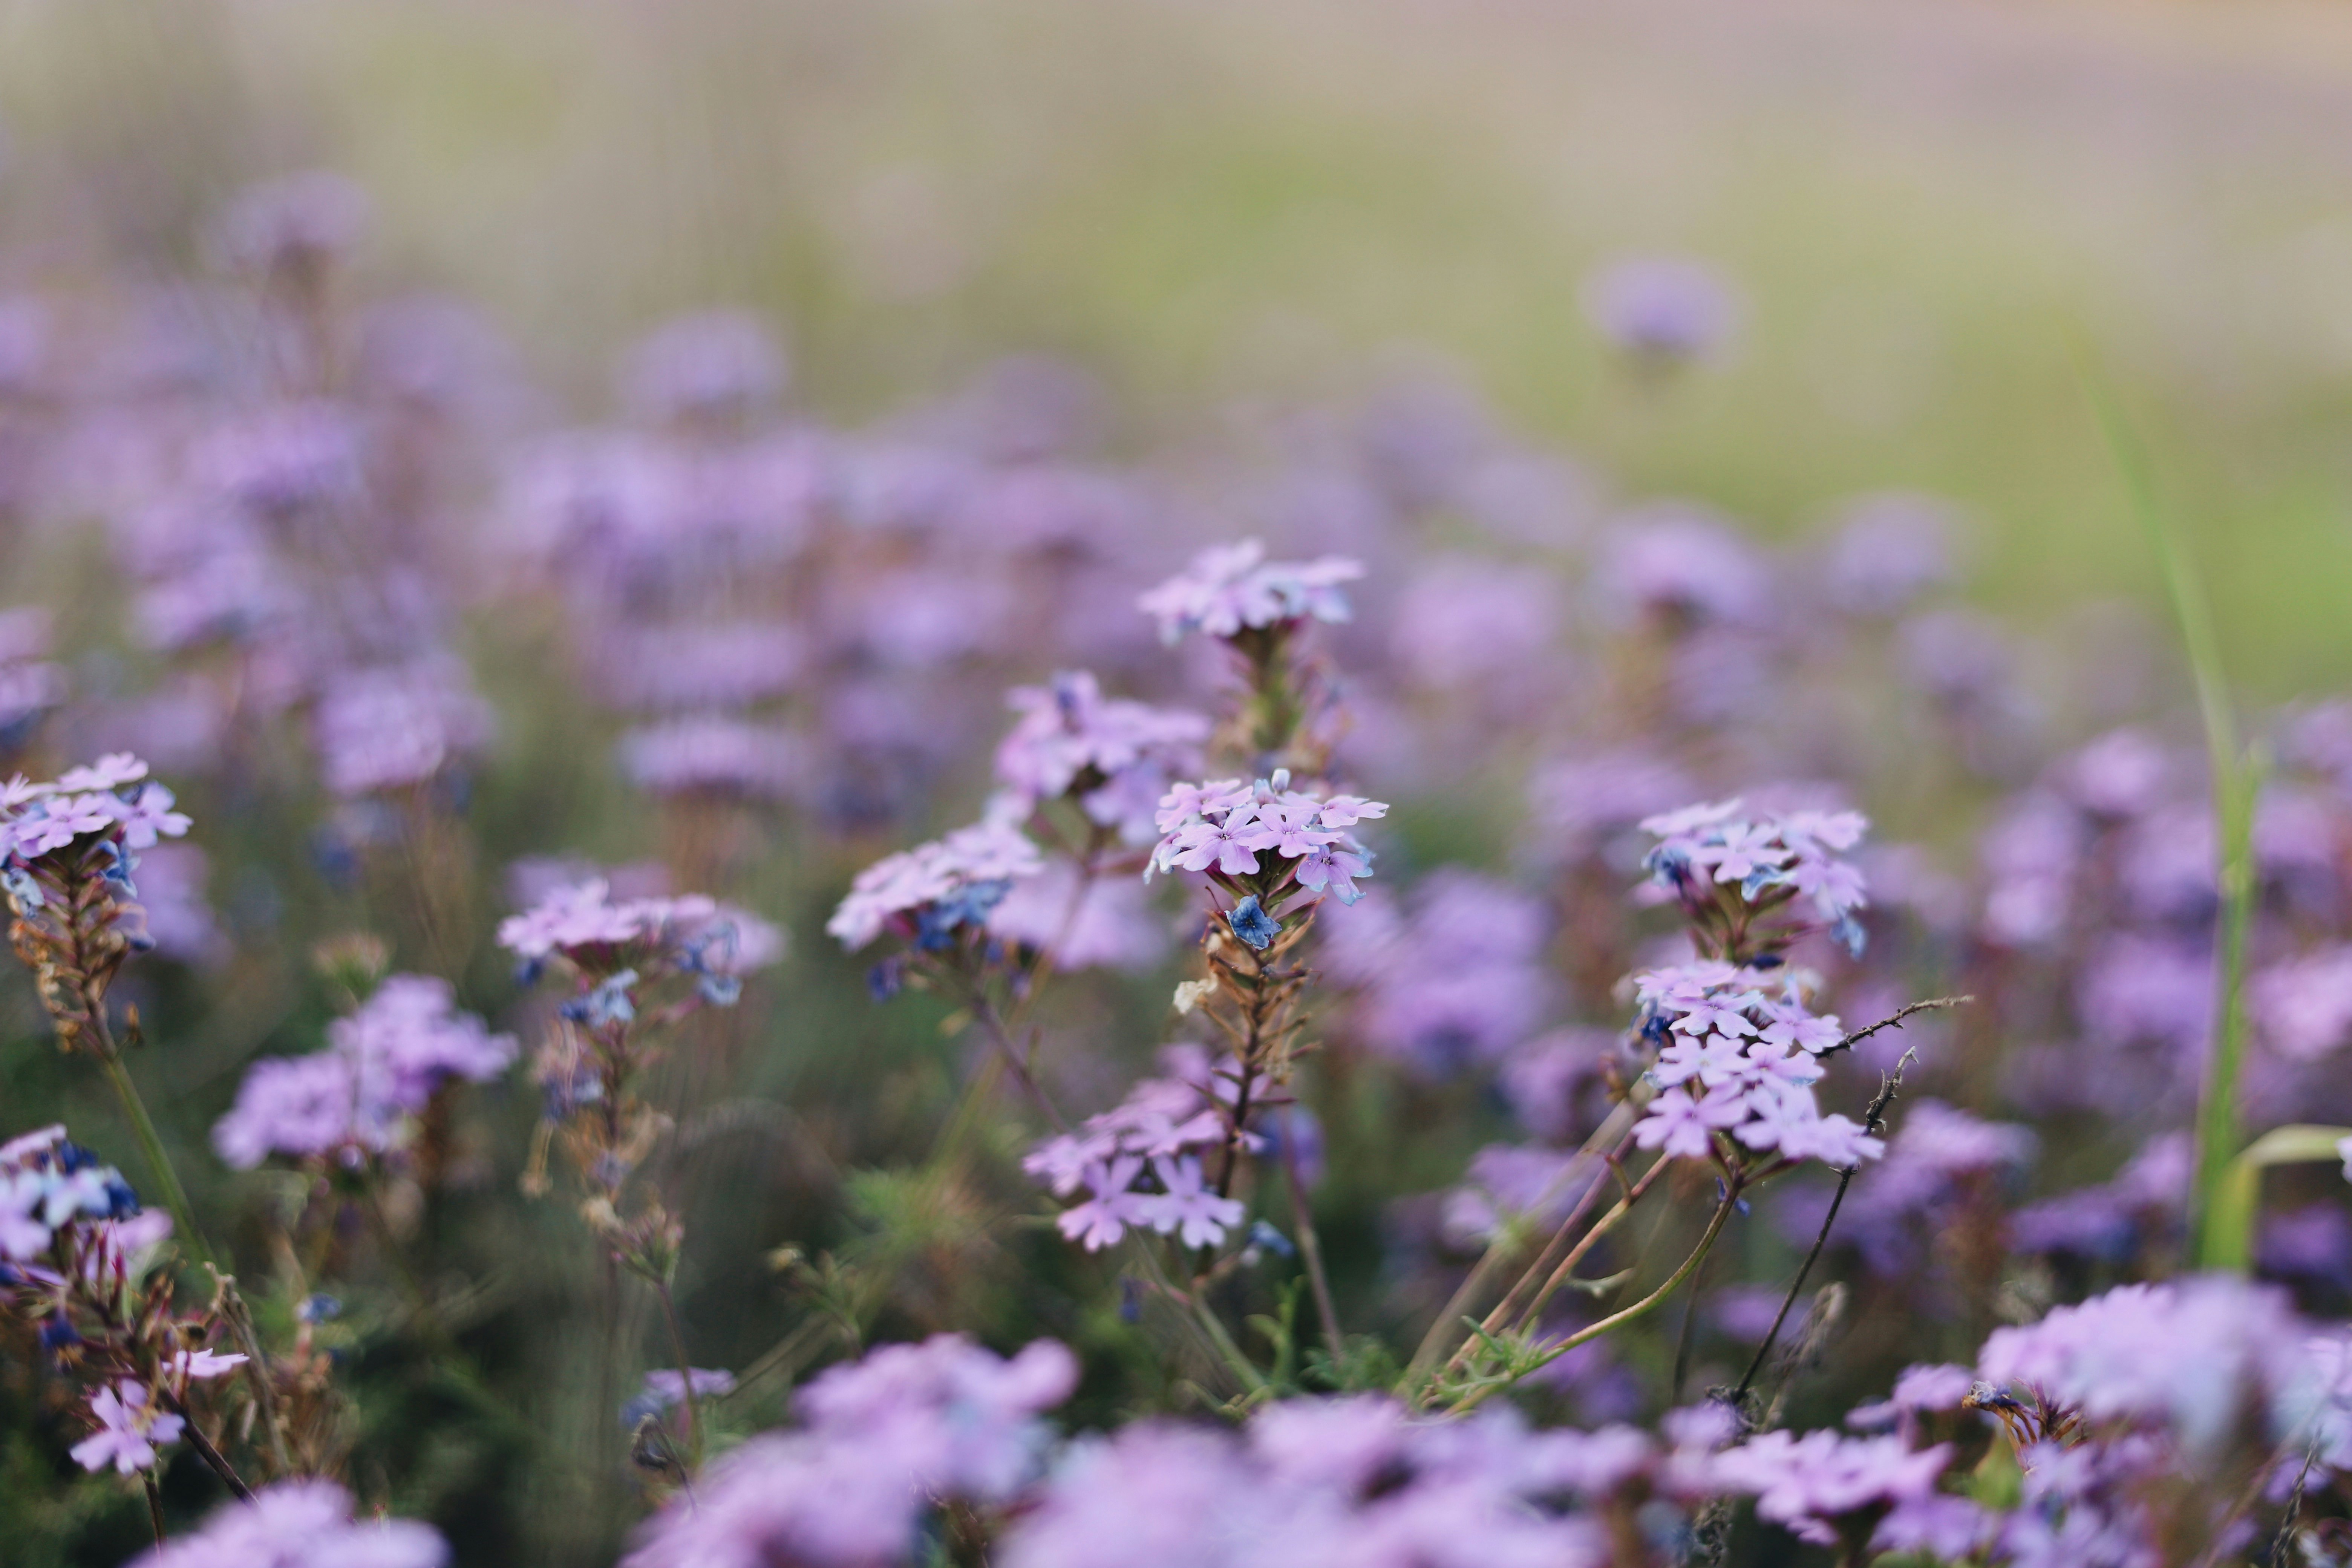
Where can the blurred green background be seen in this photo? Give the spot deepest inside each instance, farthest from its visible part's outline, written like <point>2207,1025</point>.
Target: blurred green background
<point>1936,212</point>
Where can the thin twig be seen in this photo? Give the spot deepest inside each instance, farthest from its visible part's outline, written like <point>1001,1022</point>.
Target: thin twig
<point>1592,1332</point>
<point>684,1373</point>
<point>1607,1142</point>
<point>154,1504</point>
<point>1895,1021</point>
<point>1872,1123</point>
<point>211,1457</point>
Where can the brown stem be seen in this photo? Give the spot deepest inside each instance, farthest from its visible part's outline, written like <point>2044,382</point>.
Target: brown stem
<point>1874,1121</point>
<point>1611,1135</point>
<point>1592,1332</point>
<point>154,1505</point>
<point>211,1457</point>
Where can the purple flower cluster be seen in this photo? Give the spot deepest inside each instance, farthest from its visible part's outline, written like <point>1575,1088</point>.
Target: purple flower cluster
<point>584,925</point>
<point>1738,1053</point>
<point>47,1186</point>
<point>1450,976</point>
<point>394,726</point>
<point>1813,1483</point>
<point>300,1524</point>
<point>111,798</point>
<point>1662,307</point>
<point>1353,1481</point>
<point>1115,758</point>
<point>75,1255</point>
<point>881,1442</point>
<point>1230,589</point>
<point>927,894</point>
<point>1156,1135</point>
<point>1727,870</point>
<point>356,1097</point>
<point>1221,827</point>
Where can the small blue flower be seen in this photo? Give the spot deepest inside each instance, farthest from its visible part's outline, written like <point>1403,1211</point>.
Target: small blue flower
<point>1850,935</point>
<point>1261,1234</point>
<point>1252,924</point>
<point>120,863</point>
<point>937,923</point>
<point>609,1003</point>
<point>58,1333</point>
<point>886,978</point>
<point>720,990</point>
<point>22,887</point>
<point>319,1308</point>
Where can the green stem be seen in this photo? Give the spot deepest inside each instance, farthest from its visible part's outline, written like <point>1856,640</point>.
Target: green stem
<point>2237,782</point>
<point>1641,1308</point>
<point>2218,1133</point>
<point>151,1145</point>
<point>183,1224</point>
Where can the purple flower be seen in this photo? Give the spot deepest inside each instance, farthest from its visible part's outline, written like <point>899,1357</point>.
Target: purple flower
<point>1120,757</point>
<point>381,1065</point>
<point>1101,1220</point>
<point>1662,307</point>
<point>129,1429</point>
<point>1185,1205</point>
<point>882,1440</point>
<point>719,365</point>
<point>895,891</point>
<point>1684,564</point>
<point>1807,1483</point>
<point>714,753</point>
<point>393,726</point>
<point>300,1524</point>
<point>1221,827</point>
<point>666,1386</point>
<point>1234,587</point>
<point>1684,1128</point>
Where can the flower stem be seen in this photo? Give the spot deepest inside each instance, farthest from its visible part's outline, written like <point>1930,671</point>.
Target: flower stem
<point>685,1374</point>
<point>1615,1320</point>
<point>1310,1249</point>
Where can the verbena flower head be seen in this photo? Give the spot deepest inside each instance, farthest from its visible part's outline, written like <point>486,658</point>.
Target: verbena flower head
<point>585,927</point>
<point>714,753</point>
<point>1662,307</point>
<point>1752,882</point>
<point>110,799</point>
<point>1140,1164</point>
<point>1738,1055</point>
<point>933,893</point>
<point>882,1441</point>
<point>49,1186</point>
<point>1345,1480</point>
<point>300,1524</point>
<point>391,727</point>
<point>1813,1483</point>
<point>380,1066</point>
<point>1115,758</point>
<point>2193,1357</point>
<point>1222,827</point>
<point>1231,588</point>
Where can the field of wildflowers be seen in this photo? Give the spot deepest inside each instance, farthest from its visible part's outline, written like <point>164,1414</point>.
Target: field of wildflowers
<point>684,901</point>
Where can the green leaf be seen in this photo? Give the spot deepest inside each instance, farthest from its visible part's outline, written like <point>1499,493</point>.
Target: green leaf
<point>2229,1219</point>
